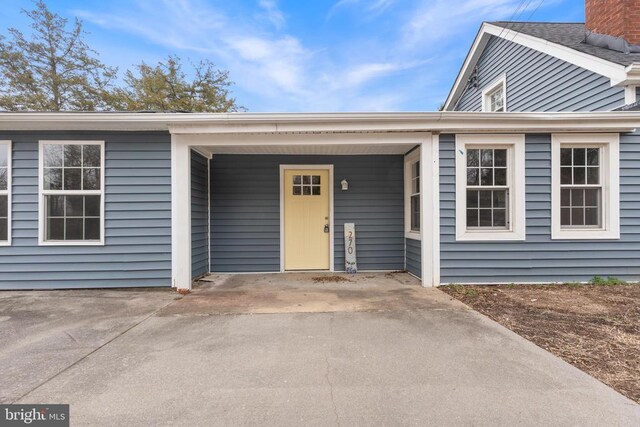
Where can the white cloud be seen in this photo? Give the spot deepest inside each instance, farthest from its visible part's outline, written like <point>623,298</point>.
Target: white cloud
<point>273,13</point>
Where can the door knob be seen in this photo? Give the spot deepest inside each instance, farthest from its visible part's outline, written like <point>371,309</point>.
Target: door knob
<point>326,228</point>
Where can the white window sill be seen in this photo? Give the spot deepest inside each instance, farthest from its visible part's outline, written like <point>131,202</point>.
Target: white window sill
<point>5,243</point>
<point>413,235</point>
<point>481,236</point>
<point>71,243</point>
<point>584,234</point>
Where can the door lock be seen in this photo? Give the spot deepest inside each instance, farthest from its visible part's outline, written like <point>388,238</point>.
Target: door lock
<point>326,228</point>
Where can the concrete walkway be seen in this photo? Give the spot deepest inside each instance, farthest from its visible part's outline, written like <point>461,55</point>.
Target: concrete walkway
<point>185,362</point>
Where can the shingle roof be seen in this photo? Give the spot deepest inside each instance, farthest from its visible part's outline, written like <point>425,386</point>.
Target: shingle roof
<point>571,35</point>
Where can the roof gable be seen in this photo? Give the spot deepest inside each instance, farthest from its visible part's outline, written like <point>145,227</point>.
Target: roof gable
<point>563,41</point>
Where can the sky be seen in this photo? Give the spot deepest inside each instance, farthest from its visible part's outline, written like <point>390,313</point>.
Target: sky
<point>303,55</point>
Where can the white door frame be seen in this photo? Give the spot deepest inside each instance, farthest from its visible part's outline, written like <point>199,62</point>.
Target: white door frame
<point>331,223</point>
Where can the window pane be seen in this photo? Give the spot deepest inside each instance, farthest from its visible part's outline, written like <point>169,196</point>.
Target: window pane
<point>592,197</point>
<point>485,199</point>
<point>500,157</point>
<point>53,155</point>
<point>593,175</point>
<point>4,208</point>
<point>472,198</point>
<point>92,206</point>
<point>565,156</point>
<point>415,185</point>
<point>92,229</point>
<point>565,216</point>
<point>3,178</point>
<point>577,197</point>
<point>55,229</point>
<point>485,217</point>
<point>472,177</point>
<point>499,218</point>
<point>473,157</point>
<point>315,179</point>
<point>55,205</point>
<point>486,157</point>
<point>91,179</point>
<point>577,216</point>
<point>52,179</point>
<point>4,229</point>
<point>578,175</point>
<point>486,176</point>
<point>565,197</point>
<point>472,217</point>
<point>415,212</point>
<point>499,199</point>
<point>591,217</point>
<point>297,179</point>
<point>415,170</point>
<point>91,155</point>
<point>74,229</point>
<point>593,156</point>
<point>565,176</point>
<point>306,179</point>
<point>72,155</point>
<point>72,178</point>
<point>74,205</point>
<point>501,176</point>
<point>4,155</point>
<point>315,190</point>
<point>306,190</point>
<point>297,190</point>
<point>579,156</point>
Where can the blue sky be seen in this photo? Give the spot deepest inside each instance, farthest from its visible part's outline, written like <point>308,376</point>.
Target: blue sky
<point>304,55</point>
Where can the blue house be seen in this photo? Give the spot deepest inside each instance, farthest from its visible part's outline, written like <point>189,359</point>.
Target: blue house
<point>158,199</point>
<point>505,196</point>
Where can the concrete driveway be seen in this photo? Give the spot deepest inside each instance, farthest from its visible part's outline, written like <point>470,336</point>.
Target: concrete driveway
<point>378,350</point>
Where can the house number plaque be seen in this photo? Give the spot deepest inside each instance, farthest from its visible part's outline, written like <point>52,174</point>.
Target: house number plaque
<point>351,266</point>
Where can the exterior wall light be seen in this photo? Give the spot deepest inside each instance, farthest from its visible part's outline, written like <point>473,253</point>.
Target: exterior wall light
<point>344,184</point>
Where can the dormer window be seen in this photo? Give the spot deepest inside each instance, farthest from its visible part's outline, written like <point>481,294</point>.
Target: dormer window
<point>494,96</point>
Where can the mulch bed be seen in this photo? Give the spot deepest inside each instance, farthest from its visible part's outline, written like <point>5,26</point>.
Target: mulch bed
<point>594,327</point>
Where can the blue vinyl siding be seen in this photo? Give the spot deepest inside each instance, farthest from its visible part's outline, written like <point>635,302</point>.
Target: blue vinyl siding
<point>539,82</point>
<point>137,250</point>
<point>414,257</point>
<point>245,210</point>
<point>199,214</point>
<point>538,258</point>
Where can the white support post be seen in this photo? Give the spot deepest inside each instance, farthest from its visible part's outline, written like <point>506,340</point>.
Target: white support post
<point>426,213</point>
<point>630,95</point>
<point>180,215</point>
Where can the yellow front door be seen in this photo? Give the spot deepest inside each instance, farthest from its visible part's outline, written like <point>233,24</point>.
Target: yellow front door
<point>306,219</point>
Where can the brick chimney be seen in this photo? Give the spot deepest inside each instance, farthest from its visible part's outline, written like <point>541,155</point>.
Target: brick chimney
<point>617,18</point>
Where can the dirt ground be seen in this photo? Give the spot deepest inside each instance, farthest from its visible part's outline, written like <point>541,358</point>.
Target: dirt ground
<point>594,327</point>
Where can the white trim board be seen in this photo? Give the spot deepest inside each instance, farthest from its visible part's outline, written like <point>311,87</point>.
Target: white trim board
<point>385,125</point>
<point>618,74</point>
<point>500,82</point>
<point>284,167</point>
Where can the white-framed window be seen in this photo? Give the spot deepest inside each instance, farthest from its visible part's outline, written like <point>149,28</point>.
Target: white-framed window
<point>494,96</point>
<point>490,187</point>
<point>71,192</point>
<point>585,186</point>
<point>5,193</point>
<point>412,194</point>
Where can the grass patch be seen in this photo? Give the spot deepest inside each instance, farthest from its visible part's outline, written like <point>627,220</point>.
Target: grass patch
<point>609,281</point>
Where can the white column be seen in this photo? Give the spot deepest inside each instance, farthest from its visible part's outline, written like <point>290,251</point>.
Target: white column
<point>430,211</point>
<point>180,214</point>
